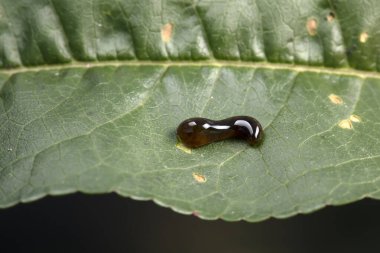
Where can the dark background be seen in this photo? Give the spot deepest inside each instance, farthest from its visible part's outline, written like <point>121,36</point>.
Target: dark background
<point>109,223</point>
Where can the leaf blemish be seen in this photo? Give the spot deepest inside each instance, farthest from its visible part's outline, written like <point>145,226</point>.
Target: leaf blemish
<point>355,118</point>
<point>345,124</point>
<point>363,37</point>
<point>199,177</point>
<point>166,32</point>
<point>330,18</point>
<point>183,148</point>
<point>335,99</point>
<point>312,26</point>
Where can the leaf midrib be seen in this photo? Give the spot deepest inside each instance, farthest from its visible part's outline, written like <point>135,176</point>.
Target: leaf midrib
<point>212,63</point>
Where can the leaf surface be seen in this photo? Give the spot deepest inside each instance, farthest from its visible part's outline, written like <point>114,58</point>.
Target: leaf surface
<point>92,91</point>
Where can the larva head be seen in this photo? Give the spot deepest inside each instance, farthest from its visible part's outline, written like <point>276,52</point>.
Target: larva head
<point>249,129</point>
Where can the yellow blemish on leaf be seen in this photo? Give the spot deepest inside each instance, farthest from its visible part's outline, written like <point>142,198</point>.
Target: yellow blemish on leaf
<point>183,148</point>
<point>335,99</point>
<point>199,177</point>
<point>166,32</point>
<point>355,118</point>
<point>345,124</point>
<point>363,37</point>
<point>312,26</point>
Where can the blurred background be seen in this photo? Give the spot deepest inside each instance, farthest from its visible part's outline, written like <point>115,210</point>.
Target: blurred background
<point>109,223</point>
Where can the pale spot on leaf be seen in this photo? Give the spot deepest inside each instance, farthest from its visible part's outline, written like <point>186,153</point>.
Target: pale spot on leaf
<point>355,118</point>
<point>335,99</point>
<point>331,17</point>
<point>183,148</point>
<point>166,32</point>
<point>312,26</point>
<point>363,37</point>
<point>199,177</point>
<point>345,124</point>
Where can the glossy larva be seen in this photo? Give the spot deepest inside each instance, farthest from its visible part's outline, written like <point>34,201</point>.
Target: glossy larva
<point>196,132</point>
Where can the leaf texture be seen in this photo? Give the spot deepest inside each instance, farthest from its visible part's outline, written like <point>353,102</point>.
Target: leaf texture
<point>92,91</point>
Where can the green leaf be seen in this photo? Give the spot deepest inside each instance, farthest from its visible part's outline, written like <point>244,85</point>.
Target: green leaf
<point>92,92</point>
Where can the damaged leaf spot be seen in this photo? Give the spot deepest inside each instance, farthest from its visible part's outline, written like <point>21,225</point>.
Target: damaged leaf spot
<point>199,177</point>
<point>183,148</point>
<point>363,37</point>
<point>166,32</point>
<point>355,118</point>
<point>312,26</point>
<point>345,124</point>
<point>335,99</point>
<point>330,18</point>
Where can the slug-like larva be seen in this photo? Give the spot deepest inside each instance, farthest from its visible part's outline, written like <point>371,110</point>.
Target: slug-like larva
<point>196,132</point>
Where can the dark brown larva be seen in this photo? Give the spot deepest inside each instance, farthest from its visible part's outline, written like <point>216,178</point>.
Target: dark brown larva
<point>196,132</point>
